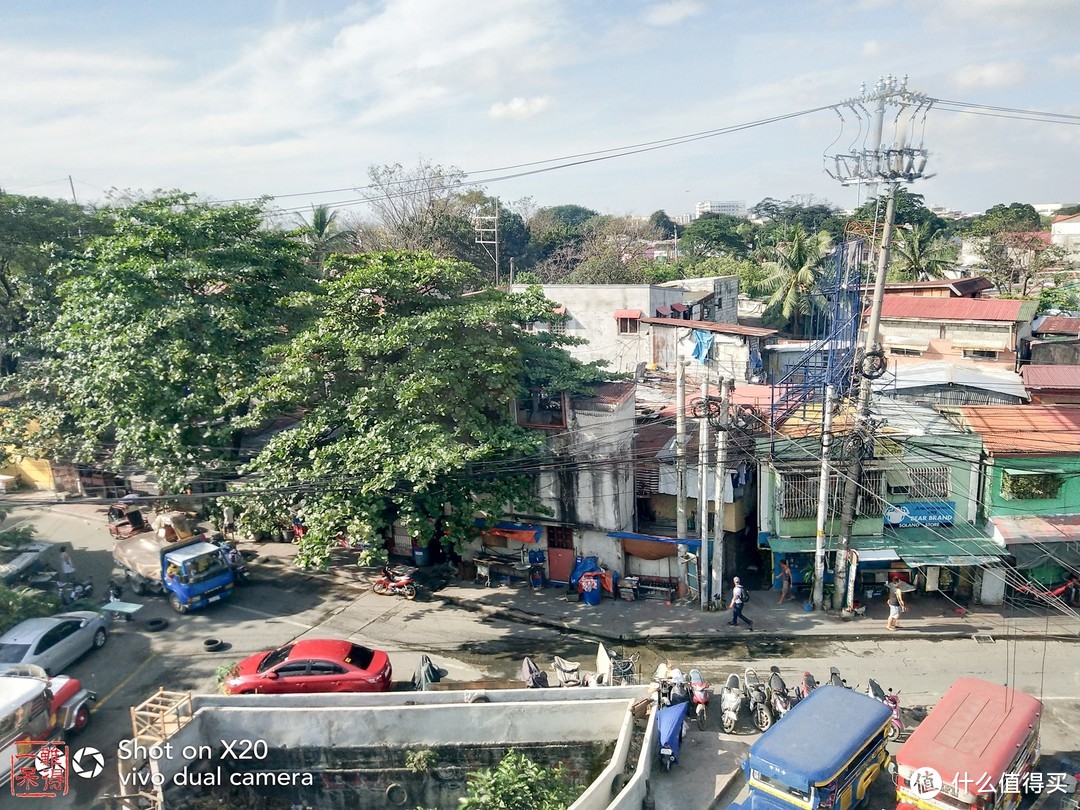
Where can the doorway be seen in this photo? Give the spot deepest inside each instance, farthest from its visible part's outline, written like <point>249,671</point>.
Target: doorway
<point>560,553</point>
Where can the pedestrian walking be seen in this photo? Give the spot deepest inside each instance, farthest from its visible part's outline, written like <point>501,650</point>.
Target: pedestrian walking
<point>67,567</point>
<point>896,606</point>
<point>738,599</point>
<point>785,582</point>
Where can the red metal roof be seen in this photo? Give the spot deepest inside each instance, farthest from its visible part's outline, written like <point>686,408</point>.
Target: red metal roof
<point>709,326</point>
<point>628,313</point>
<point>1058,325</point>
<point>1036,377</point>
<point>1019,430</point>
<point>679,308</point>
<point>957,309</point>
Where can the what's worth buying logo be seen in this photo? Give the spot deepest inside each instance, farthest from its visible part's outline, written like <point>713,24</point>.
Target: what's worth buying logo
<point>39,770</point>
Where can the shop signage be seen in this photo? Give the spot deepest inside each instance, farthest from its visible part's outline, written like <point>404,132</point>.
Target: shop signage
<point>920,513</point>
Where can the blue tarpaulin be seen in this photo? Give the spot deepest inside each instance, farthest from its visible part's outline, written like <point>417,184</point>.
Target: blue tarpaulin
<point>680,541</point>
<point>702,344</point>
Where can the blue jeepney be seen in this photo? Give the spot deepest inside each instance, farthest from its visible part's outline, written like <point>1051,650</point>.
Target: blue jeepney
<point>825,752</point>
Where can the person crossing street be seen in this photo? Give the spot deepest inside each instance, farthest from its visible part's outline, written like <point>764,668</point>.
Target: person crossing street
<point>738,599</point>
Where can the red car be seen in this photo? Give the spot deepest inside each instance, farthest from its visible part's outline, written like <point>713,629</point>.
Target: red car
<point>311,665</point>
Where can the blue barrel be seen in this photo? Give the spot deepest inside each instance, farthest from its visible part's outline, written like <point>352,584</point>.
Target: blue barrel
<point>422,557</point>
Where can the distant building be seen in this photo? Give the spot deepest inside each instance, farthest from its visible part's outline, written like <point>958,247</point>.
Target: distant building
<point>1065,233</point>
<point>731,208</point>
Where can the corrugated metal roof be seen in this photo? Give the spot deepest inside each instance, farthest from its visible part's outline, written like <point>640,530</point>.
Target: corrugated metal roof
<point>959,287</point>
<point>709,326</point>
<point>1026,429</point>
<point>1036,377</point>
<point>1058,325</point>
<point>958,309</point>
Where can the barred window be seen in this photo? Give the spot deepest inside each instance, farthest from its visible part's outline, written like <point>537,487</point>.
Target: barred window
<point>799,492</point>
<point>929,483</point>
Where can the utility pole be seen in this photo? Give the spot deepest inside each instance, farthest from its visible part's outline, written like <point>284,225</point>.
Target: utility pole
<point>680,448</point>
<point>71,183</point>
<point>723,425</point>
<point>818,596</point>
<point>893,164</point>
<point>487,234</point>
<point>703,493</point>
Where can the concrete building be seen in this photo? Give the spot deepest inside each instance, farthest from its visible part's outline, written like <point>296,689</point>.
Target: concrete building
<point>731,208</point>
<point>1065,233</point>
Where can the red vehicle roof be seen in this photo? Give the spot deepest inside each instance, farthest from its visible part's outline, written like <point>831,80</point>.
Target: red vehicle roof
<point>973,730</point>
<point>328,648</point>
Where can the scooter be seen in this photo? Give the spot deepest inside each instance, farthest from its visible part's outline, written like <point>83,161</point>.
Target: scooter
<point>758,699</point>
<point>71,592</point>
<point>892,700</point>
<point>399,582</point>
<point>699,697</point>
<point>732,698</point>
<point>236,561</point>
<point>779,699</point>
<point>670,723</point>
<point>803,690</point>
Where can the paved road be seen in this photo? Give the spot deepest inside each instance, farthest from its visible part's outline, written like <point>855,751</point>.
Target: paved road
<point>284,604</point>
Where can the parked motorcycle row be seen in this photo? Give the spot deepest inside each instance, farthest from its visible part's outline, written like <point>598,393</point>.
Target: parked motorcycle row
<point>764,700</point>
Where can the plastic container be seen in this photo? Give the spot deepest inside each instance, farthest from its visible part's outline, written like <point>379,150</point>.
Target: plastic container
<point>422,557</point>
<point>590,590</point>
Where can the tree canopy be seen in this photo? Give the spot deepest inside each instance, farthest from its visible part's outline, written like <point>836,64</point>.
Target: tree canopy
<point>160,326</point>
<point>792,276</point>
<point>407,381</point>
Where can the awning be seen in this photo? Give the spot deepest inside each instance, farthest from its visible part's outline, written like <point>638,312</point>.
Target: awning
<point>877,555</point>
<point>663,312</point>
<point>952,559</point>
<point>901,342</point>
<point>1037,540</point>
<point>521,532</point>
<point>651,546</point>
<point>1028,471</point>
<point>983,344</point>
<point>917,546</point>
<point>559,310</point>
<point>635,314</point>
<point>679,308</point>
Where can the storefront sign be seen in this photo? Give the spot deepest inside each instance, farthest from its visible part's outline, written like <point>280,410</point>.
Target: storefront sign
<point>921,513</point>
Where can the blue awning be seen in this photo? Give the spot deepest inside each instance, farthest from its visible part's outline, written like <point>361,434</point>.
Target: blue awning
<point>685,541</point>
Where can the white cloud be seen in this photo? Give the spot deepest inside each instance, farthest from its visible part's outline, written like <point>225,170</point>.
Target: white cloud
<point>1070,62</point>
<point>520,108</point>
<point>871,48</point>
<point>990,75</point>
<point>673,12</point>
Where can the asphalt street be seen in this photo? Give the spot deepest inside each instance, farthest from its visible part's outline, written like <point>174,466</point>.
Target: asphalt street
<point>284,604</point>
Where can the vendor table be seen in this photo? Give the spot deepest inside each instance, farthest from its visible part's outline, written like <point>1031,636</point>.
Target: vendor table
<point>116,609</point>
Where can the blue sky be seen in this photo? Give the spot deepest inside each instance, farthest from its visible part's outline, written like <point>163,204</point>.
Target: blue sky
<point>239,99</point>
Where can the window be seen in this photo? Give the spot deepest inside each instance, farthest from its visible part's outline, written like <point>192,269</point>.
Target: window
<point>326,668</point>
<point>928,483</point>
<point>292,669</point>
<point>980,354</point>
<point>1033,485</point>
<point>628,326</point>
<point>274,658</point>
<point>904,352</point>
<point>542,410</point>
<point>799,495</point>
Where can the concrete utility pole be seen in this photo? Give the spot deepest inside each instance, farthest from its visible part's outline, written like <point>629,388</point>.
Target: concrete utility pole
<point>680,448</point>
<point>880,163</point>
<point>818,596</point>
<point>703,493</point>
<point>722,428</point>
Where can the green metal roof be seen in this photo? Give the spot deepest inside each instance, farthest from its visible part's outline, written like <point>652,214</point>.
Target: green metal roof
<point>961,544</point>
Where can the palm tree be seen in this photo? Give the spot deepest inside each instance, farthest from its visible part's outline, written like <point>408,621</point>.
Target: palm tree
<point>919,255</point>
<point>793,273</point>
<point>322,234</point>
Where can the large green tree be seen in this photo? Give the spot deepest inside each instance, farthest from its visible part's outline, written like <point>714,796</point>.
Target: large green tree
<point>792,275</point>
<point>161,326</point>
<point>407,383</point>
<point>34,233</point>
<point>715,235</point>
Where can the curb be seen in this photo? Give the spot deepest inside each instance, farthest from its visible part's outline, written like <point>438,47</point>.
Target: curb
<point>723,788</point>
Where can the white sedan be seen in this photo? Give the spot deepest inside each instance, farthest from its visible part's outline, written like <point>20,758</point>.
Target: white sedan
<point>53,642</point>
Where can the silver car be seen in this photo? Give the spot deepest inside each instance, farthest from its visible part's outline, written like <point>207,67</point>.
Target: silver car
<point>53,642</point>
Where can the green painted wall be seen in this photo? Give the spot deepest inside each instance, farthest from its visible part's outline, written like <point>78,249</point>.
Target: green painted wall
<point>1066,501</point>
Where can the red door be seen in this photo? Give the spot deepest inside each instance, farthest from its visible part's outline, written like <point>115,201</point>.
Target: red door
<point>560,553</point>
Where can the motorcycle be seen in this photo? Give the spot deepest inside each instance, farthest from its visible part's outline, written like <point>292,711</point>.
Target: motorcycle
<point>1037,594</point>
<point>699,697</point>
<point>732,698</point>
<point>758,700</point>
<point>803,690</point>
<point>835,679</point>
<point>670,723</point>
<point>892,700</point>
<point>71,592</point>
<point>398,582</point>
<point>236,561</point>
<point>779,698</point>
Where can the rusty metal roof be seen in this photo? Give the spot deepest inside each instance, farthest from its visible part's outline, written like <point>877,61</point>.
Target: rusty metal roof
<point>958,309</point>
<point>1021,430</point>
<point>1057,377</point>
<point>1058,325</point>
<point>959,287</point>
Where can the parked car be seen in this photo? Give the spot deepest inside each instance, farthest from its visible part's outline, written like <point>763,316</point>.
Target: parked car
<point>55,641</point>
<point>311,665</point>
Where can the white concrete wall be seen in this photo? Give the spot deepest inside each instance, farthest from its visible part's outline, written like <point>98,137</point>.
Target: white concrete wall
<point>590,309</point>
